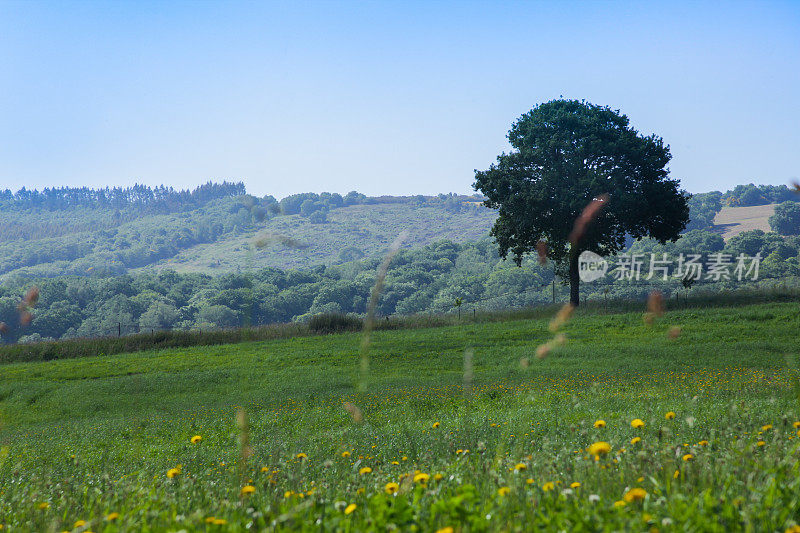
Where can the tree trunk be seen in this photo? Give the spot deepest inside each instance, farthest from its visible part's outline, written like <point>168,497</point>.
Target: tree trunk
<point>574,280</point>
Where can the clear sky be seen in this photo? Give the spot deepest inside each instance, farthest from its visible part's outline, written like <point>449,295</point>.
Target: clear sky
<point>382,97</point>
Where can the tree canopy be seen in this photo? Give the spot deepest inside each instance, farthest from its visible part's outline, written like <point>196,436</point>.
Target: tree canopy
<point>567,153</point>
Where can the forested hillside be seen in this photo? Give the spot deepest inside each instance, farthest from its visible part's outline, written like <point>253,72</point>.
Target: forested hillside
<point>137,259</point>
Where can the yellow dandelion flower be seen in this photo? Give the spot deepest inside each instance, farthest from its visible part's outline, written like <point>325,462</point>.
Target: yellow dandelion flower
<point>210,520</point>
<point>264,469</point>
<point>687,457</point>
<point>421,477</point>
<point>447,529</point>
<point>350,508</point>
<point>796,425</point>
<point>112,516</point>
<point>637,423</point>
<point>288,494</point>
<point>520,466</point>
<point>301,455</point>
<point>636,494</point>
<point>79,523</point>
<point>766,427</point>
<point>44,505</point>
<point>760,443</point>
<point>599,448</point>
<point>529,481</point>
<point>172,472</point>
<point>196,439</point>
<point>634,440</point>
<point>395,463</point>
<point>670,415</point>
<point>248,489</point>
<point>574,485</point>
<point>640,479</point>
<point>703,443</point>
<point>676,474</point>
<point>436,425</point>
<point>219,522</point>
<point>345,454</point>
<point>793,529</point>
<point>503,491</point>
<point>365,470</point>
<point>548,486</point>
<point>391,488</point>
<point>437,477</point>
<point>600,423</point>
<point>619,503</point>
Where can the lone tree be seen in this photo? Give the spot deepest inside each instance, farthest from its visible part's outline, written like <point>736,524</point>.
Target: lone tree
<point>568,155</point>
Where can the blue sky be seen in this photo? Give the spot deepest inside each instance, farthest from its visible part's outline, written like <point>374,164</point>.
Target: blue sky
<point>381,97</point>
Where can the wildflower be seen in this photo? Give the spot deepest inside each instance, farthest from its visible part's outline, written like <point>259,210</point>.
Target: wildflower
<point>766,427</point>
<point>796,425</point>
<point>248,489</point>
<point>619,503</point>
<point>600,423</point>
<point>112,516</point>
<point>365,470</point>
<point>345,454</point>
<point>670,415</point>
<point>503,491</point>
<point>288,494</point>
<point>594,498</point>
<point>637,423</point>
<point>640,479</point>
<point>599,448</point>
<point>703,443</point>
<point>520,466</point>
<point>447,529</point>
<point>219,522</point>
<point>793,529</point>
<point>688,457</point>
<point>529,481</point>
<point>574,485</point>
<point>44,505</point>
<point>391,487</point>
<point>634,440</point>
<point>196,439</point>
<point>436,425</point>
<point>760,443</point>
<point>395,463</point>
<point>264,469</point>
<point>437,476</point>
<point>548,486</point>
<point>301,455</point>
<point>172,472</point>
<point>350,508</point>
<point>636,494</point>
<point>421,478</point>
<point>676,474</point>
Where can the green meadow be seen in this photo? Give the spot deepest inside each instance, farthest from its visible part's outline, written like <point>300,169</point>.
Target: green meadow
<point>689,423</point>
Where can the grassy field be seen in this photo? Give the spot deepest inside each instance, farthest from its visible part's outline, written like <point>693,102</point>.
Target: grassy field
<point>454,427</point>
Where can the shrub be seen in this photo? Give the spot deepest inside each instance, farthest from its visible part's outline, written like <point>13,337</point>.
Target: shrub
<point>334,323</point>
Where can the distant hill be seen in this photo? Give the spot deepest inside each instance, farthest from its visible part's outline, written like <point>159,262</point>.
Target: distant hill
<point>732,221</point>
<point>349,233</point>
<point>215,229</point>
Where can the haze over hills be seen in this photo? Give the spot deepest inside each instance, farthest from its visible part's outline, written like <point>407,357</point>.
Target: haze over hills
<point>219,228</point>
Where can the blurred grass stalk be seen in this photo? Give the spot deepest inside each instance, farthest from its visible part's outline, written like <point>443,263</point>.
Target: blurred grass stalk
<point>369,322</point>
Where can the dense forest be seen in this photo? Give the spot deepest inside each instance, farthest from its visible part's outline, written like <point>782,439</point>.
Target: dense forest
<point>92,281</point>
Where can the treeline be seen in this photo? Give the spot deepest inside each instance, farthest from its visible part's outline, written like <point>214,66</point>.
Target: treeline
<point>442,277</point>
<point>141,198</point>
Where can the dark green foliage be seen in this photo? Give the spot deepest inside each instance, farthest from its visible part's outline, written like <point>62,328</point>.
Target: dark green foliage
<point>786,219</point>
<point>567,153</point>
<point>334,323</point>
<point>749,195</point>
